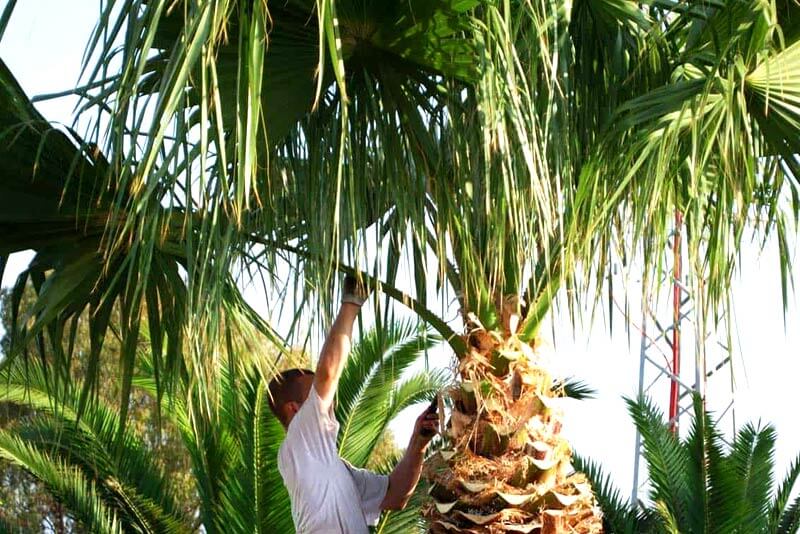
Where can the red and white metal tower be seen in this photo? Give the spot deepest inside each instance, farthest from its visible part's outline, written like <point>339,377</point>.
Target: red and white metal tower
<point>667,344</point>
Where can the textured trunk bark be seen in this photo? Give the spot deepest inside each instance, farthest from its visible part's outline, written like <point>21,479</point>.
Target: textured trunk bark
<point>61,527</point>
<point>505,466</point>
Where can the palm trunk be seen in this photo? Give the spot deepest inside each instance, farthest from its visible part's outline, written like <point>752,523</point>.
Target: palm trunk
<point>506,469</point>
<point>60,527</point>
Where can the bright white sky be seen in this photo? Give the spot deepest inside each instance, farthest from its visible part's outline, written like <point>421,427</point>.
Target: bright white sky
<point>43,47</point>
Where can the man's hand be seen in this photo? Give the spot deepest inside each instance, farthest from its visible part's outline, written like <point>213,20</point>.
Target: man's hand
<point>354,292</point>
<point>426,427</point>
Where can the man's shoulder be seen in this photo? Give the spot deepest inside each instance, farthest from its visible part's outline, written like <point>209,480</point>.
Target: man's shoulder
<point>296,442</point>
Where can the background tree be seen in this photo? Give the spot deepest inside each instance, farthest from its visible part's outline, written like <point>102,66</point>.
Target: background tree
<point>27,503</point>
<point>702,483</point>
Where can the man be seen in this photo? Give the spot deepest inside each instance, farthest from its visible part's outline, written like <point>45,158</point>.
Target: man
<point>328,495</point>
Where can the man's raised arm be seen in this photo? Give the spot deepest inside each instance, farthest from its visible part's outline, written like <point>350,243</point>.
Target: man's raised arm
<point>337,345</point>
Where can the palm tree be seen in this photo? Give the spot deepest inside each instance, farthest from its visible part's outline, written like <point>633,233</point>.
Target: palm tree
<point>702,483</point>
<point>113,484</point>
<point>523,144</point>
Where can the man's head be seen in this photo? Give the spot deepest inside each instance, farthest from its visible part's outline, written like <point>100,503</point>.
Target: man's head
<point>287,393</point>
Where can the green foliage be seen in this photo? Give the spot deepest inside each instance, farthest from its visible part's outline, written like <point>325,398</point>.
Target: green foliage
<point>29,409</point>
<point>369,394</point>
<point>619,516</point>
<point>700,484</point>
<point>51,201</point>
<point>707,141</point>
<point>525,145</point>
<point>67,483</point>
<point>575,389</point>
<point>108,475</point>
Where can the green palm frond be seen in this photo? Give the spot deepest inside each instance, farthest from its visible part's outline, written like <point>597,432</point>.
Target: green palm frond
<point>780,508</point>
<point>313,121</point>
<point>67,483</point>
<point>669,523</point>
<point>699,484</point>
<point>52,200</point>
<point>705,143</point>
<point>715,487</point>
<point>214,460</point>
<point>417,388</point>
<point>255,498</point>
<point>213,441</point>
<point>618,514</point>
<point>371,392</point>
<point>790,520</point>
<point>118,465</point>
<point>574,388</point>
<point>752,461</point>
<point>775,87</point>
<point>667,460</point>
<point>262,438</point>
<point>701,438</point>
<point>118,485</point>
<point>273,507</point>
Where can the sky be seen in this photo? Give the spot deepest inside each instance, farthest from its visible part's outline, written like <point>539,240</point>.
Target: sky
<point>43,47</point>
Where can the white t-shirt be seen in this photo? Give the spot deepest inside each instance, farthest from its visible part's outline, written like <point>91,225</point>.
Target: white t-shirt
<point>329,496</point>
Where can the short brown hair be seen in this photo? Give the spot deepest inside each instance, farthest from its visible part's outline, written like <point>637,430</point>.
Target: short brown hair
<point>285,387</point>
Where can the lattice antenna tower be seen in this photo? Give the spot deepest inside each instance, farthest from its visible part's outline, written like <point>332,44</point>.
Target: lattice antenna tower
<point>679,357</point>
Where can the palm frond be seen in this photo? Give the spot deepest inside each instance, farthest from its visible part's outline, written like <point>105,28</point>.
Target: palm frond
<point>790,519</point>
<point>699,468</point>
<point>781,500</point>
<point>671,524</point>
<point>723,485</point>
<point>255,498</point>
<point>118,465</point>
<point>619,515</point>
<point>752,459</point>
<point>212,445</point>
<point>273,509</point>
<point>118,486</point>
<point>666,459</point>
<point>57,177</point>
<point>696,486</point>
<point>356,114</point>
<point>574,388</point>
<point>371,390</point>
<point>67,483</point>
<point>703,143</point>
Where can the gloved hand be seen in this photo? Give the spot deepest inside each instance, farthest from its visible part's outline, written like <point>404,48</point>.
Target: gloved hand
<point>353,291</point>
